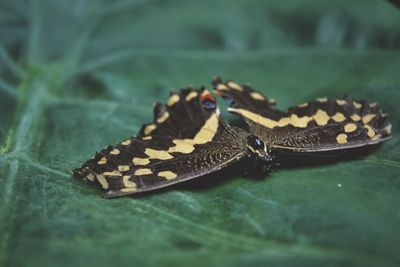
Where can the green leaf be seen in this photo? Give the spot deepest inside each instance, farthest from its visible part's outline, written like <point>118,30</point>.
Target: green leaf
<point>78,75</point>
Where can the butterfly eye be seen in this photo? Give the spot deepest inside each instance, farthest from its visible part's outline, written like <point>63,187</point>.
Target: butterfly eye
<point>255,142</point>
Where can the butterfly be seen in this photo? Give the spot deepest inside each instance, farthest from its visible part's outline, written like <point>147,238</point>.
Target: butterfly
<point>188,138</point>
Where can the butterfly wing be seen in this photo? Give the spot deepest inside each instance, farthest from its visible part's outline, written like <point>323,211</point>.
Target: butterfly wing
<point>324,124</point>
<point>187,139</point>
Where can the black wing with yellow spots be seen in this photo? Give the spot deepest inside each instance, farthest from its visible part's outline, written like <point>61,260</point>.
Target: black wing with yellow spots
<point>187,139</point>
<point>321,125</point>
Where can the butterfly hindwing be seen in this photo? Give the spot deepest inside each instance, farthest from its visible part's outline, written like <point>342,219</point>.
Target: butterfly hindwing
<point>187,139</point>
<point>320,125</point>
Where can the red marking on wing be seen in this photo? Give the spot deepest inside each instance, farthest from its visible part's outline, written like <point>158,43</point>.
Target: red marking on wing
<point>207,96</point>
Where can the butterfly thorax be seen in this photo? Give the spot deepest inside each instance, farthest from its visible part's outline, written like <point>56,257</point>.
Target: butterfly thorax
<point>260,154</point>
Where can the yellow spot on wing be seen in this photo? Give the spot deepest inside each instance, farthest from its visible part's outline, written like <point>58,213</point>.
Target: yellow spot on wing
<point>147,138</point>
<point>350,127</point>
<point>356,104</point>
<point>102,180</point>
<point>127,182</point>
<point>102,161</point>
<point>367,118</point>
<point>257,96</point>
<point>190,96</point>
<point>376,137</point>
<point>167,175</point>
<point>163,117</point>
<point>321,117</point>
<point>128,190</point>
<point>341,138</point>
<point>255,117</point>
<point>123,168</point>
<point>173,100</point>
<point>303,105</point>
<point>339,117</point>
<point>371,132</point>
<point>340,102</point>
<point>372,105</point>
<point>208,131</point>
<point>157,154</point>
<point>141,161</point>
<point>149,128</point>
<point>115,151</point>
<point>90,177</point>
<point>113,173</point>
<point>185,146</point>
<point>283,122</point>
<point>355,117</point>
<point>235,86</point>
<point>293,119</point>
<point>222,86</point>
<point>300,122</point>
<point>126,142</point>
<point>140,172</point>
<point>205,135</point>
<point>322,99</point>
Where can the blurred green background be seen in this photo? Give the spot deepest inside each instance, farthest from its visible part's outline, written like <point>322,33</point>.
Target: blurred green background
<point>77,75</point>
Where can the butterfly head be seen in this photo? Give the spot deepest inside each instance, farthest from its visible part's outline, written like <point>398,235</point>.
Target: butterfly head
<point>259,150</point>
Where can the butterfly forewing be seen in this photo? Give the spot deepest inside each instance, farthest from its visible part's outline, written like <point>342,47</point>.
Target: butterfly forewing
<point>187,139</point>
<point>320,125</point>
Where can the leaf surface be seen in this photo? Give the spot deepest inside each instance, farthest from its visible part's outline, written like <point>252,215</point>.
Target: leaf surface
<point>79,75</point>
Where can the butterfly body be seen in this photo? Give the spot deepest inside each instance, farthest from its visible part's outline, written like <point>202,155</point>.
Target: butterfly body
<point>260,158</point>
<point>188,138</point>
